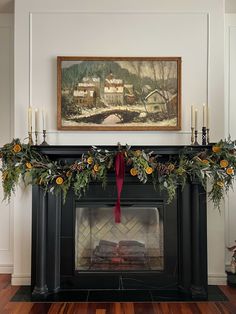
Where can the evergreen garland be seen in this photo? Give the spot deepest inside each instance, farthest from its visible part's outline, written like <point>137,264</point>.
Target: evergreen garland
<point>23,161</point>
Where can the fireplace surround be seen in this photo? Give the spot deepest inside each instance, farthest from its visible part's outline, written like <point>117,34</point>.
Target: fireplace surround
<point>76,245</point>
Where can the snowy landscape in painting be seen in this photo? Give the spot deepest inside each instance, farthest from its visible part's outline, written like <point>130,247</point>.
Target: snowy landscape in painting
<point>124,93</point>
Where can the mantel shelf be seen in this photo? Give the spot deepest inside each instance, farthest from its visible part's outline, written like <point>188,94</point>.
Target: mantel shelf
<point>77,150</point>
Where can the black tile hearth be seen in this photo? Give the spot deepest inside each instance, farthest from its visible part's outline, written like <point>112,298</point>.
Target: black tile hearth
<point>23,294</point>
<point>214,294</point>
<point>120,296</point>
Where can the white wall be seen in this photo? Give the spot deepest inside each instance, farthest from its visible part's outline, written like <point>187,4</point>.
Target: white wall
<point>48,28</point>
<point>6,132</point>
<point>230,6</point>
<point>230,103</point>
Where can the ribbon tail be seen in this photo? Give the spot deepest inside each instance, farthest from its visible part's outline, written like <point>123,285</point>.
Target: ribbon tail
<point>120,173</point>
<point>117,212</point>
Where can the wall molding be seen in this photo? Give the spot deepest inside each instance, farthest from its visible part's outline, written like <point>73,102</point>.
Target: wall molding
<point>217,279</point>
<point>203,13</point>
<point>6,250</point>
<point>9,235</point>
<point>228,75</point>
<point>121,12</point>
<point>6,268</point>
<point>230,25</point>
<point>21,279</point>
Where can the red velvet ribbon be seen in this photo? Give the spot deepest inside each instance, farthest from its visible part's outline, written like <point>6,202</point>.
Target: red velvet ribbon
<point>120,174</point>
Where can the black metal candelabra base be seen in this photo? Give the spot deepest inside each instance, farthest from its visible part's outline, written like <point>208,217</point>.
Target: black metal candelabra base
<point>195,136</point>
<point>204,135</point>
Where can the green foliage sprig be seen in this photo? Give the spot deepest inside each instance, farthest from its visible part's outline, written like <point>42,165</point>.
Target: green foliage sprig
<point>23,161</point>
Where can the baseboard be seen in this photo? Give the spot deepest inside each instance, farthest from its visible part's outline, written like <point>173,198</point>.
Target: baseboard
<point>217,279</point>
<point>6,268</point>
<point>21,279</point>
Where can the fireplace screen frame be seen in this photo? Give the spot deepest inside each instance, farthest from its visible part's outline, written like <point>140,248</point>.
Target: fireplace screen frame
<point>128,210</point>
<point>138,279</point>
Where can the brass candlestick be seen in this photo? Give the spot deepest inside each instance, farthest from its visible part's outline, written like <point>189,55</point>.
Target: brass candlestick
<point>30,137</point>
<point>204,135</point>
<point>36,137</point>
<point>192,136</point>
<point>195,136</point>
<point>44,143</point>
<point>208,136</point>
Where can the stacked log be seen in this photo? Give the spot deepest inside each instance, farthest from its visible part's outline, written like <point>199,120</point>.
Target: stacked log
<point>132,251</point>
<point>122,252</point>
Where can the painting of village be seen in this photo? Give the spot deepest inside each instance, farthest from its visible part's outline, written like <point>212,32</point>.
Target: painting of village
<point>119,93</point>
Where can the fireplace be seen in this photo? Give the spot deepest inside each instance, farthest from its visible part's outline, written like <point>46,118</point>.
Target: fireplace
<point>158,246</point>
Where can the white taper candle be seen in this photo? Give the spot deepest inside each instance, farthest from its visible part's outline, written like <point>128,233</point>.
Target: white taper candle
<point>36,116</point>
<point>192,116</point>
<point>29,119</point>
<point>195,119</point>
<point>44,116</point>
<point>207,118</point>
<point>204,115</point>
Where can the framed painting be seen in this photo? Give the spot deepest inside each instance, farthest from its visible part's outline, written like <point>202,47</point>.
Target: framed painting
<point>119,93</point>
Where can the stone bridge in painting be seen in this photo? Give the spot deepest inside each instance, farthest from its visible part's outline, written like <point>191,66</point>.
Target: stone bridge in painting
<point>125,115</point>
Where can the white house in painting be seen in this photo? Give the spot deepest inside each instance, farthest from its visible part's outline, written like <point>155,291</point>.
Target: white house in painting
<point>87,91</point>
<point>156,101</point>
<point>113,91</point>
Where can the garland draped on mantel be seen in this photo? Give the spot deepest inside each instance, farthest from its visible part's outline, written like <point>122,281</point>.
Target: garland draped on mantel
<point>24,161</point>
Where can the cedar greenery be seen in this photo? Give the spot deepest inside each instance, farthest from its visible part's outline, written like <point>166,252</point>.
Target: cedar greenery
<point>23,161</point>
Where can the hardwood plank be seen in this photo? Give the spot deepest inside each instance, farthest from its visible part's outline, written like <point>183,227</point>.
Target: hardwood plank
<point>161,308</point>
<point>5,295</point>
<point>157,308</point>
<point>58,308</point>
<point>208,307</point>
<point>140,308</point>
<point>175,308</point>
<point>40,308</point>
<point>227,306</point>
<point>118,308</point>
<point>128,308</point>
<point>18,307</point>
<point>101,311</point>
<point>5,279</point>
<point>100,308</point>
<point>223,309</point>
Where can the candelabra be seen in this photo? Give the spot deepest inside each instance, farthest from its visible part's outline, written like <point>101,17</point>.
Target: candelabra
<point>30,137</point>
<point>195,138</point>
<point>208,135</point>
<point>44,143</point>
<point>36,137</point>
<point>204,135</point>
<point>192,136</point>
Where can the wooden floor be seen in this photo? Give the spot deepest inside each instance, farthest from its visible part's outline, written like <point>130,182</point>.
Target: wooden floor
<point>7,291</point>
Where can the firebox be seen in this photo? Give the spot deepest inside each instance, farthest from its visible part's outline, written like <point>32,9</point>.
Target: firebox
<point>158,245</point>
<point>134,244</point>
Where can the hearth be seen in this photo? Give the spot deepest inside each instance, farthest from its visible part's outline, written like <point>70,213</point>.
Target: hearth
<point>158,246</point>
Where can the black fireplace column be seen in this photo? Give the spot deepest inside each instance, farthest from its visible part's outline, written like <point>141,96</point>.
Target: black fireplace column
<point>46,224</point>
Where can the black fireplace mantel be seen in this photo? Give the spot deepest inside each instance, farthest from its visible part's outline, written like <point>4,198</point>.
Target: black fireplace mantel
<point>50,226</point>
<point>67,151</point>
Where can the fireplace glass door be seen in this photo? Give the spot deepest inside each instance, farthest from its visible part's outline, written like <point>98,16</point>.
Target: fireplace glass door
<point>135,244</point>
